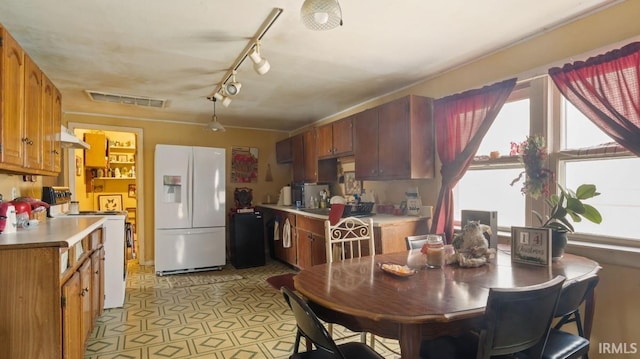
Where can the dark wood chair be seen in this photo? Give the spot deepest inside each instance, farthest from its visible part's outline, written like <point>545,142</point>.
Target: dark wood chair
<point>516,321</point>
<point>561,344</point>
<point>311,328</point>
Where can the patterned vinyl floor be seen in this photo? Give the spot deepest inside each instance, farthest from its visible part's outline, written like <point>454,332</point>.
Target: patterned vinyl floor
<point>243,318</point>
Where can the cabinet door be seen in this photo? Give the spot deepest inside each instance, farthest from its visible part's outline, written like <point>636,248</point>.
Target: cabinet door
<point>297,146</point>
<point>72,343</point>
<point>343,136</point>
<point>97,284</point>
<point>310,157</point>
<point>32,115</point>
<point>56,114</point>
<point>324,141</point>
<point>394,155</point>
<point>287,255</point>
<point>86,293</point>
<point>366,144</point>
<point>49,135</point>
<point>311,241</point>
<point>284,153</point>
<point>12,101</point>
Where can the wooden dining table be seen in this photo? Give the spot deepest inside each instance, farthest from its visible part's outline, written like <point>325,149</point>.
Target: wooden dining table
<point>358,295</point>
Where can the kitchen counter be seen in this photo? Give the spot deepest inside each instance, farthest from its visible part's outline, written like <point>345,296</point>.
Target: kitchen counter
<point>379,220</point>
<point>54,232</point>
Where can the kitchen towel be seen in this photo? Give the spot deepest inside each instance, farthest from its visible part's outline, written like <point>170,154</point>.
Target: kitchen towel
<point>286,234</point>
<point>276,230</point>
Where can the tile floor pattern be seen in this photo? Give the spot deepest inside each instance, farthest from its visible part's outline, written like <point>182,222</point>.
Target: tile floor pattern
<point>239,319</point>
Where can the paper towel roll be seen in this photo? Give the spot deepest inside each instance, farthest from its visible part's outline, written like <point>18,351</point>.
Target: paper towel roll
<point>286,194</point>
<point>12,221</point>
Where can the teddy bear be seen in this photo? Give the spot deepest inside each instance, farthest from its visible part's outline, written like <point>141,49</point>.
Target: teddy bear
<point>472,246</point>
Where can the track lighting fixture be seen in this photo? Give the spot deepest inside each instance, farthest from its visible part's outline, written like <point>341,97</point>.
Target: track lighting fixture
<point>228,86</point>
<point>260,64</point>
<point>214,125</point>
<point>321,14</point>
<point>232,88</point>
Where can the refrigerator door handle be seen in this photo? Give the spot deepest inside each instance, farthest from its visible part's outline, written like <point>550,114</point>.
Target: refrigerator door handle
<point>189,191</point>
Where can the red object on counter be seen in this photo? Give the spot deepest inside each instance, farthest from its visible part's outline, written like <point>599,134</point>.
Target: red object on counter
<point>22,207</point>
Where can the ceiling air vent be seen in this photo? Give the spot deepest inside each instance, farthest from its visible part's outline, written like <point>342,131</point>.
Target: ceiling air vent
<point>125,99</point>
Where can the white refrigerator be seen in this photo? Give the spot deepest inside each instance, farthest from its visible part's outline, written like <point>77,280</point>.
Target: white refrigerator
<point>189,209</point>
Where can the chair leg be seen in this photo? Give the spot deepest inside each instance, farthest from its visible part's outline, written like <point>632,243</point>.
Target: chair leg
<point>373,341</point>
<point>330,329</point>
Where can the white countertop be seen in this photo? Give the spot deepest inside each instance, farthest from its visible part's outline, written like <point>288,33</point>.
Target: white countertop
<point>379,220</point>
<point>54,232</point>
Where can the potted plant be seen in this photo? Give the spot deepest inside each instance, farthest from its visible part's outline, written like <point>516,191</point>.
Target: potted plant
<point>568,204</point>
<point>563,206</point>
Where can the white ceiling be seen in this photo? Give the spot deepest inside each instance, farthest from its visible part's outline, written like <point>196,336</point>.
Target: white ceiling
<point>180,50</point>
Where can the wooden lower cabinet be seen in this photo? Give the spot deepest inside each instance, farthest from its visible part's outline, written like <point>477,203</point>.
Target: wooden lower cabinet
<point>47,311</point>
<point>311,241</point>
<point>72,346</point>
<point>390,238</point>
<point>289,254</point>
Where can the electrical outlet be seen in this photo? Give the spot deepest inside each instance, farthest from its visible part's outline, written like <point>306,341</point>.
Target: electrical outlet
<point>14,193</point>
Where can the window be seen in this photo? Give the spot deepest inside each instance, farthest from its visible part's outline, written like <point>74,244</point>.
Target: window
<point>485,186</point>
<point>615,175</point>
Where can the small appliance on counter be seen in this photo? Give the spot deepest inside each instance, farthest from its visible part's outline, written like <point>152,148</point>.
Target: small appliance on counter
<point>243,197</point>
<point>307,193</point>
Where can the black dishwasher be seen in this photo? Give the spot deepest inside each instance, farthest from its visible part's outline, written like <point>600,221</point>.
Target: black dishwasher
<point>247,248</point>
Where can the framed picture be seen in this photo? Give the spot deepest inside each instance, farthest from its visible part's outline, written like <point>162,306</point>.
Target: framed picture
<point>531,245</point>
<point>351,185</point>
<point>113,158</point>
<point>123,158</point>
<point>110,202</point>
<point>132,190</point>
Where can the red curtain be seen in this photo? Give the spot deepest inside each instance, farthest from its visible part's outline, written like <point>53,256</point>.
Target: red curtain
<point>461,122</point>
<point>606,88</point>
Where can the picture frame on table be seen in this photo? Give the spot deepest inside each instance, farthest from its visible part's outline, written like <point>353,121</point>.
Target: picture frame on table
<point>531,245</point>
<point>110,202</point>
<point>351,185</point>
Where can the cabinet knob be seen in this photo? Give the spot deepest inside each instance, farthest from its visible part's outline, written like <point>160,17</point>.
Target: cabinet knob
<point>84,291</point>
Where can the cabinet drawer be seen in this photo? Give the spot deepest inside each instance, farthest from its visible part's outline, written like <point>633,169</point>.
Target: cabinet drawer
<point>309,224</point>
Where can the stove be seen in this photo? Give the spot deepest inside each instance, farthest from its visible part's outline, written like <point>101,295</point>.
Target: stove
<point>115,241</point>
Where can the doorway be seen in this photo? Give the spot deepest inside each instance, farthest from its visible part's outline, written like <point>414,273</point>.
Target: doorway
<point>113,173</point>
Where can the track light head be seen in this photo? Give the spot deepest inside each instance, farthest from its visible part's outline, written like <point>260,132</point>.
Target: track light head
<point>260,64</point>
<point>232,88</point>
<point>225,100</point>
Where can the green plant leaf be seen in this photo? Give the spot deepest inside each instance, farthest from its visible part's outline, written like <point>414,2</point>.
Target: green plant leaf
<point>592,214</point>
<point>586,191</point>
<point>538,216</point>
<point>566,223</point>
<point>574,205</point>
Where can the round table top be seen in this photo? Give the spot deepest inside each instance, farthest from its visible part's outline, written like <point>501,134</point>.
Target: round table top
<point>358,287</point>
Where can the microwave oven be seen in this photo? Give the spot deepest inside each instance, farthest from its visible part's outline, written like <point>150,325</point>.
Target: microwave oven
<point>304,191</point>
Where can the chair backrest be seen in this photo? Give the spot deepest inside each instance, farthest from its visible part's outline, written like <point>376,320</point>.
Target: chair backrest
<point>309,325</point>
<point>571,297</point>
<point>351,237</point>
<point>416,242</point>
<point>519,319</point>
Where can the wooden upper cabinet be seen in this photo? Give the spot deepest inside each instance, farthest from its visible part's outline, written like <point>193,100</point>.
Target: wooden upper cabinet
<point>96,155</point>
<point>284,152</point>
<point>12,92</point>
<point>310,157</point>
<point>335,139</point>
<point>56,114</point>
<point>297,146</point>
<point>395,140</point>
<point>49,134</point>
<point>31,113</point>
<point>32,138</point>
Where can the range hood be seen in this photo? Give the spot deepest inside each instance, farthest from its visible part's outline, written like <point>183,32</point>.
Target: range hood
<point>68,140</point>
